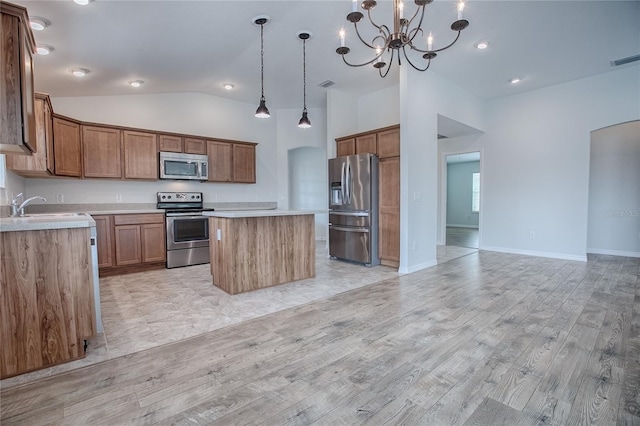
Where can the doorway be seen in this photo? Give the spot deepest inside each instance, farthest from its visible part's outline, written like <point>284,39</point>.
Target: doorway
<point>462,205</point>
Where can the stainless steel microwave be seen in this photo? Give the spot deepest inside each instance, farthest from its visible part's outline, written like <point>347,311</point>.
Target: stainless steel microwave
<point>176,165</point>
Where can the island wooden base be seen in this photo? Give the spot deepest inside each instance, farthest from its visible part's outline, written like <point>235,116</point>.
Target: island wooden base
<point>258,252</point>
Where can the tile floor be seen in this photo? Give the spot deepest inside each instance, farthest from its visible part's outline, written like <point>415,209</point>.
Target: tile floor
<point>150,309</point>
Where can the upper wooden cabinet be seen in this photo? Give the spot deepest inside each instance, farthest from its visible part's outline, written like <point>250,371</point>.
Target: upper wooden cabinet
<point>140,155</point>
<point>40,163</point>
<point>244,163</point>
<point>367,144</point>
<point>345,147</point>
<point>66,147</point>
<point>170,143</point>
<point>17,103</point>
<point>195,146</point>
<point>220,161</point>
<point>101,152</point>
<point>389,143</point>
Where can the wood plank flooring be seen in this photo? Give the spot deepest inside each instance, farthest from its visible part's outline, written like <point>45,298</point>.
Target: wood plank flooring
<point>462,237</point>
<point>485,339</point>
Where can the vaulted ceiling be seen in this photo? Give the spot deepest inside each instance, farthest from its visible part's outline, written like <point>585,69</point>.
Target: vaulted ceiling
<point>197,46</point>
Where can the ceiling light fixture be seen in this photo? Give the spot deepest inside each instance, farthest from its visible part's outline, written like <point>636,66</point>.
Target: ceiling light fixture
<point>262,111</point>
<point>136,83</point>
<point>38,24</point>
<point>228,86</point>
<point>481,45</point>
<point>304,122</point>
<point>44,49</point>
<point>387,44</point>
<point>82,2</point>
<point>515,80</point>
<point>79,72</point>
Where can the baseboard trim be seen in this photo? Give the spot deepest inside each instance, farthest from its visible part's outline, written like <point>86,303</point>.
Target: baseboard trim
<point>614,252</point>
<point>415,268</point>
<point>463,226</point>
<point>562,256</point>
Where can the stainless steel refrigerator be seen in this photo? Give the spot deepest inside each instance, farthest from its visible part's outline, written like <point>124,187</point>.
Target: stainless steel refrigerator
<point>353,208</point>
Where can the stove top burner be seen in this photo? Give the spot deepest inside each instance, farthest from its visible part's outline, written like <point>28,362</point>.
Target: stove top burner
<point>181,201</point>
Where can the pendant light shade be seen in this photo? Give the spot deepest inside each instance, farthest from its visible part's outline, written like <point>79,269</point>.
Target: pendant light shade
<point>262,111</point>
<point>304,122</point>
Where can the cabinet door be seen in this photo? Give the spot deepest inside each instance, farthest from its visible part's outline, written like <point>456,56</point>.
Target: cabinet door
<point>244,163</point>
<point>220,161</point>
<point>37,164</point>
<point>101,152</point>
<point>66,148</point>
<point>153,242</point>
<point>389,211</point>
<point>140,155</point>
<point>367,144</point>
<point>389,143</point>
<point>128,250</point>
<point>170,143</point>
<point>345,147</point>
<point>104,229</point>
<point>195,146</point>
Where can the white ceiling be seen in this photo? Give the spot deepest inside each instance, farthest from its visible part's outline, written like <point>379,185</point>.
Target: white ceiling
<point>197,46</point>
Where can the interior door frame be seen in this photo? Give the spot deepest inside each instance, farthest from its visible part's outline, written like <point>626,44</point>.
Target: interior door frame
<point>442,231</point>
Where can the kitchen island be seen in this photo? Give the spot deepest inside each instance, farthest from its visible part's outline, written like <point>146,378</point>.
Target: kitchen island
<point>255,249</point>
<point>48,305</point>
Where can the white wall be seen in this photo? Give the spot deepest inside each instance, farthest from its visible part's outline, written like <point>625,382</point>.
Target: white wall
<point>379,109</point>
<point>460,193</point>
<point>12,184</point>
<point>536,162</point>
<point>190,113</point>
<point>291,139</point>
<point>614,191</point>
<point>342,118</point>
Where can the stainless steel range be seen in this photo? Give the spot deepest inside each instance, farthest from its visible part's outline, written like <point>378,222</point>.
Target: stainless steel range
<point>187,228</point>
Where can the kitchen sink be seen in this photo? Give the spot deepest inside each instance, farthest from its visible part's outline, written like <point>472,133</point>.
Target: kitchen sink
<point>51,215</point>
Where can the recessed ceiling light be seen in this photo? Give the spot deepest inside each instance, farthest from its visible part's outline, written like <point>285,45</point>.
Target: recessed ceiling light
<point>136,83</point>
<point>38,24</point>
<point>228,86</point>
<point>481,45</point>
<point>79,72</point>
<point>82,2</point>
<point>44,49</point>
<point>515,80</point>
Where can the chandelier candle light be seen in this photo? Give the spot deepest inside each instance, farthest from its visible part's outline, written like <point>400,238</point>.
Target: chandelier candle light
<point>402,37</point>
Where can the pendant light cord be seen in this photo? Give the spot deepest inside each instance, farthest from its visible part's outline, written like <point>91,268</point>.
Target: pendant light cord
<point>304,74</point>
<point>262,60</point>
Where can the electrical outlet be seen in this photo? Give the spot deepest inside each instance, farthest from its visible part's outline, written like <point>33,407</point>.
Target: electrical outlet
<point>532,234</point>
<point>416,196</point>
<point>59,198</point>
<point>118,198</point>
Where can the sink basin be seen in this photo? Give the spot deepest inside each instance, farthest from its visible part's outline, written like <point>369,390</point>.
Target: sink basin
<point>51,215</point>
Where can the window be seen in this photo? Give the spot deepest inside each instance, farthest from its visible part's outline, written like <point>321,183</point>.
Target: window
<point>475,193</point>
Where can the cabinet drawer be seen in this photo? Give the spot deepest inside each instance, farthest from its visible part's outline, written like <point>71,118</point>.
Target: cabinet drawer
<point>136,219</point>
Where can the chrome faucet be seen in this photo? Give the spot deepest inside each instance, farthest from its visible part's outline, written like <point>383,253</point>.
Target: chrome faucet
<point>19,210</point>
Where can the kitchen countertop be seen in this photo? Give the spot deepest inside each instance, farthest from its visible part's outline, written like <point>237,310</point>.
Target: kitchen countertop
<point>257,213</point>
<point>46,221</point>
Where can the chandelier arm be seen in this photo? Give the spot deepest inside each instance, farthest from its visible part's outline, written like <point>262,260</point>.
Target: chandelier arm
<point>419,27</point>
<point>362,65</point>
<point>388,66</point>
<point>379,27</point>
<point>436,50</point>
<point>355,25</point>
<point>412,64</point>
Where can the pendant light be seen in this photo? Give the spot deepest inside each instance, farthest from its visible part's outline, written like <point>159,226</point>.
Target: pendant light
<point>262,111</point>
<point>304,122</point>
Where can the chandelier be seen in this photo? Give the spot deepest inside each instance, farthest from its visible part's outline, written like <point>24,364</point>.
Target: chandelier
<point>387,44</point>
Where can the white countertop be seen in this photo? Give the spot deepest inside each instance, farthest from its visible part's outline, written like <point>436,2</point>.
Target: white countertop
<point>46,221</point>
<point>257,213</point>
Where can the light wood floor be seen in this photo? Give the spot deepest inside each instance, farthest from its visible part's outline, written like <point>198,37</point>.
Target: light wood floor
<point>462,237</point>
<point>485,339</point>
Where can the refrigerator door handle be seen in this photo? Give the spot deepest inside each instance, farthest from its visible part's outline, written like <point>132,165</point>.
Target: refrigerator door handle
<point>349,183</point>
<point>343,178</point>
<point>356,214</point>
<point>347,229</point>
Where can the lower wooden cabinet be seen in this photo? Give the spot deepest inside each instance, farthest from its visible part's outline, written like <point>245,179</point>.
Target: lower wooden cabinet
<point>47,305</point>
<point>389,211</point>
<point>130,240</point>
